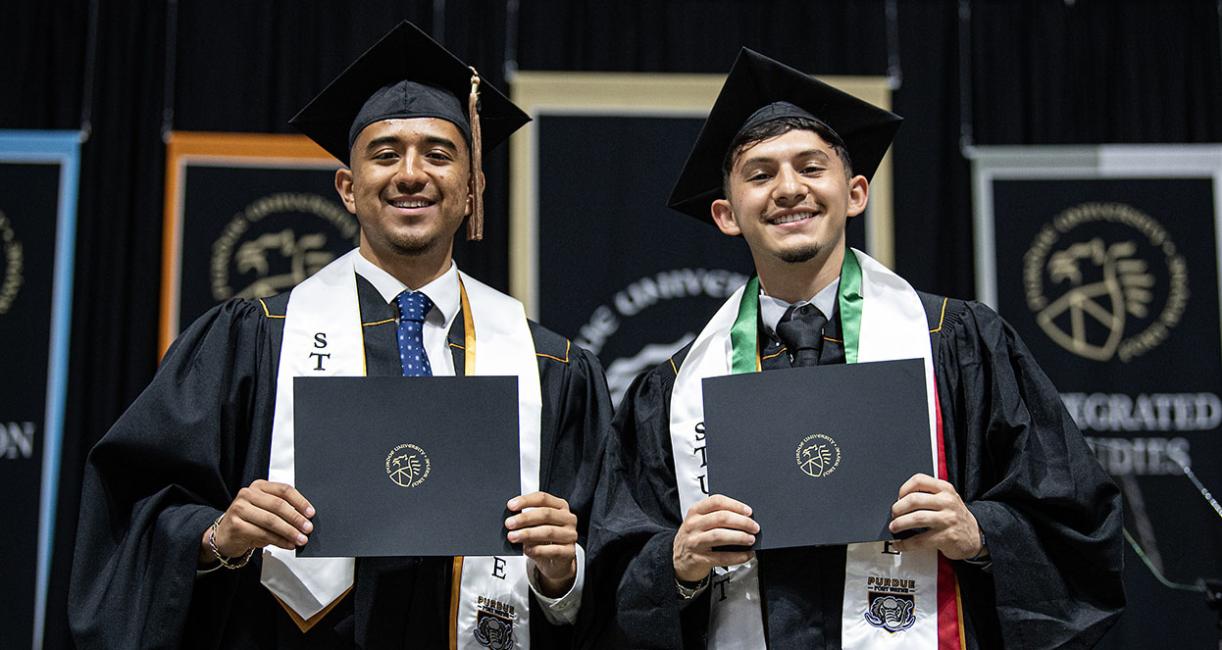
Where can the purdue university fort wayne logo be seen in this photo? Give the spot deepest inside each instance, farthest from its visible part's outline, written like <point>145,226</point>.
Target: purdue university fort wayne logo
<point>818,455</point>
<point>407,465</point>
<point>276,242</point>
<point>11,262</point>
<point>1105,281</point>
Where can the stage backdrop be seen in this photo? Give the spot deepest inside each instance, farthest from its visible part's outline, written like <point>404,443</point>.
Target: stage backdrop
<point>1105,260</point>
<point>38,191</point>
<point>595,253</point>
<point>246,216</point>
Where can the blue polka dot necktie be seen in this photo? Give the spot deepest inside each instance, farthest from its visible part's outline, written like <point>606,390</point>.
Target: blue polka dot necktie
<point>413,307</point>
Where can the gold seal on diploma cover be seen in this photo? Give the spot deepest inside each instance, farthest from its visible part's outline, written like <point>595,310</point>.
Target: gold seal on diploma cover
<point>818,455</point>
<point>11,262</point>
<point>259,264</point>
<point>1105,281</point>
<point>407,465</point>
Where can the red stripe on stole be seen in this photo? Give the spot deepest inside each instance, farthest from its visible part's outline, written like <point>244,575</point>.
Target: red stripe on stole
<point>948,605</point>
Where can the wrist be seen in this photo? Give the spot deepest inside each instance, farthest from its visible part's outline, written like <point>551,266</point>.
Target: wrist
<point>229,562</point>
<point>982,555</point>
<point>205,558</point>
<point>691,576</point>
<point>689,590</point>
<point>559,586</point>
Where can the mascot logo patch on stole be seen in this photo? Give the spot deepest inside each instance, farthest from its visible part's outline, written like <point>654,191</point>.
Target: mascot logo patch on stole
<point>494,624</point>
<point>818,455</point>
<point>892,603</point>
<point>407,465</point>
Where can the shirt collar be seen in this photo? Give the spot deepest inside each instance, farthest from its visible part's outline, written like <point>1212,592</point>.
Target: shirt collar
<point>443,291</point>
<point>772,309</point>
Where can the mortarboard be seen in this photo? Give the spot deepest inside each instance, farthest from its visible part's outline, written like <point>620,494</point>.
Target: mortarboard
<point>759,89</point>
<point>407,74</point>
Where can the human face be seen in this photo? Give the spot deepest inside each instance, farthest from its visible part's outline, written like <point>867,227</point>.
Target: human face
<point>789,196</point>
<point>408,186</point>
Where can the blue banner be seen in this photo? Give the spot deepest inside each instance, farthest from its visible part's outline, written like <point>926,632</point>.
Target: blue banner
<point>39,171</point>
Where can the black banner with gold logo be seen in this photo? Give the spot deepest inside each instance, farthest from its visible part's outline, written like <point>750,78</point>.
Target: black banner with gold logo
<point>247,216</point>
<point>38,190</point>
<point>1106,262</point>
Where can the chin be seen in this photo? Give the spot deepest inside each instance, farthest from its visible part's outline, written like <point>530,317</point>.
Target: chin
<point>413,245</point>
<point>800,254</point>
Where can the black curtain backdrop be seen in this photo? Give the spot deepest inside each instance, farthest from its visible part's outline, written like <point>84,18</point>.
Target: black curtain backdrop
<point>1038,72</point>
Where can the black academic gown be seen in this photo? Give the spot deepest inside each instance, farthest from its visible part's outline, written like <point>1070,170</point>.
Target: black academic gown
<point>202,430</point>
<point>1051,516</point>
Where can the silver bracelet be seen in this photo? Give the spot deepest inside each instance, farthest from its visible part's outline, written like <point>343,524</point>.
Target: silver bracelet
<point>688,593</point>
<point>226,562</point>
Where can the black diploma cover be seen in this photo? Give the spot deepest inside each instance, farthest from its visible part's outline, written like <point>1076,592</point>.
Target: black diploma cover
<point>407,465</point>
<point>819,453</point>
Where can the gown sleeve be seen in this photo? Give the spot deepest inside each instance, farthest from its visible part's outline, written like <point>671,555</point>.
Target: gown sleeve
<point>631,599</point>
<point>577,417</point>
<point>1051,516</point>
<point>157,480</point>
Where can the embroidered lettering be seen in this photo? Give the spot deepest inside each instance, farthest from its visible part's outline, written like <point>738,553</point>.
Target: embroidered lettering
<point>704,486</point>
<point>498,568</point>
<point>320,340</point>
<point>889,549</point>
<point>320,356</point>
<point>721,586</point>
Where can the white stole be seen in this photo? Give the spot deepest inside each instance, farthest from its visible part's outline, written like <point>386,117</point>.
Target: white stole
<point>495,589</point>
<point>893,326</point>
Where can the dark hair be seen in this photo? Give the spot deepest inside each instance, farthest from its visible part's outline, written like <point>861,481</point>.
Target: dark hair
<point>772,128</point>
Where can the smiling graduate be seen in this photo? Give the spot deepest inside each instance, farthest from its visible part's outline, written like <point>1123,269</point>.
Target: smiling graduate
<point>1013,541</point>
<point>189,517</point>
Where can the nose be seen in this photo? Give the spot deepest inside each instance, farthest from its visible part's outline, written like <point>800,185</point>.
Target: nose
<point>789,189</point>
<point>410,171</point>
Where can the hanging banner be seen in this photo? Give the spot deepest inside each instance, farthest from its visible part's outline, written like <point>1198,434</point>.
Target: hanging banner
<point>246,216</point>
<point>38,196</point>
<point>596,255</point>
<point>1106,261</point>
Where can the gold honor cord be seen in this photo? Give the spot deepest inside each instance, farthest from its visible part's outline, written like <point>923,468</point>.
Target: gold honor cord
<point>468,324</point>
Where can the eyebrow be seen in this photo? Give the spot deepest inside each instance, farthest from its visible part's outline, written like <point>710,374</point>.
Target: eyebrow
<point>430,140</point>
<point>764,160</point>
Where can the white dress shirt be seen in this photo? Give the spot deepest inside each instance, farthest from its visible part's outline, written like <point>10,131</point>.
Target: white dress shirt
<point>772,309</point>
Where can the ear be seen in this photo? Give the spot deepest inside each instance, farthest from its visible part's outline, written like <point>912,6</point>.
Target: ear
<point>859,195</point>
<point>482,183</point>
<point>343,187</point>
<point>723,216</point>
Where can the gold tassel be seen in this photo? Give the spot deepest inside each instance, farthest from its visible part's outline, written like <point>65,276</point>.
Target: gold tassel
<point>475,224</point>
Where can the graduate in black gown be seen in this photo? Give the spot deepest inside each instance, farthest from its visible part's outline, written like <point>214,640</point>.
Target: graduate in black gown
<point>1026,525</point>
<point>155,567</point>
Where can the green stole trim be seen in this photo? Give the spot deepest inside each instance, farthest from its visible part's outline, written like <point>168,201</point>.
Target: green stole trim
<point>744,336</point>
<point>850,305</point>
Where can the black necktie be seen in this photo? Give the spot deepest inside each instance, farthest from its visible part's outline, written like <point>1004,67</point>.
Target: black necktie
<point>790,582</point>
<point>801,328</point>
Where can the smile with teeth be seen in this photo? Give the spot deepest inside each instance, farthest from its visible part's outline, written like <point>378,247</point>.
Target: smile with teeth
<point>410,203</point>
<point>791,218</point>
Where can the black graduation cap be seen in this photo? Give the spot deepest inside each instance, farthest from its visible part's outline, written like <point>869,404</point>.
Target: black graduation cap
<point>759,89</point>
<point>407,74</point>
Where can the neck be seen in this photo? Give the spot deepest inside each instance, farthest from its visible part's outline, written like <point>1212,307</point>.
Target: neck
<point>414,270</point>
<point>792,282</point>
